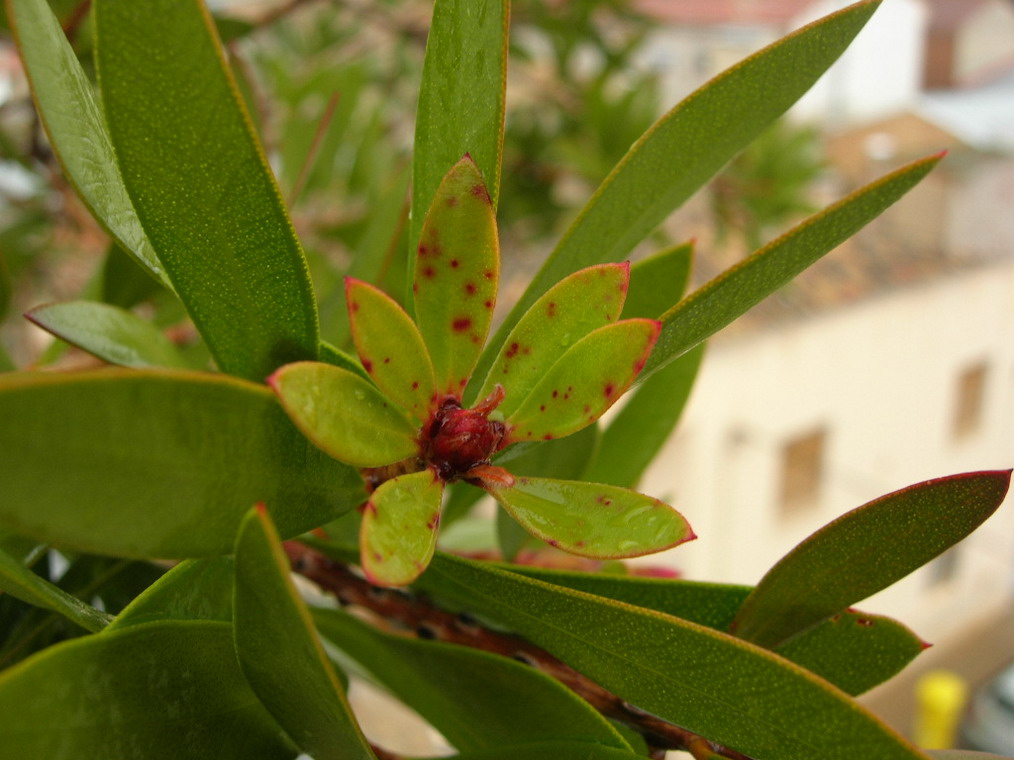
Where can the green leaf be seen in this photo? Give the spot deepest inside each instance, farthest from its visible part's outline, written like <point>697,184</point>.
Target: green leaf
<point>19,581</point>
<point>344,414</point>
<point>338,358</point>
<point>689,144</point>
<point>390,348</point>
<point>110,333</point>
<point>593,520</point>
<point>461,100</point>
<point>716,304</point>
<point>399,528</point>
<point>643,425</point>
<point>582,302</point>
<point>658,282</point>
<point>587,379</point>
<point>457,269</point>
<point>279,651</point>
<point>201,184</point>
<point>76,129</point>
<point>846,561</point>
<point>161,691</point>
<point>196,589</point>
<point>710,683</point>
<point>855,650</point>
<point>156,464</point>
<point>475,699</point>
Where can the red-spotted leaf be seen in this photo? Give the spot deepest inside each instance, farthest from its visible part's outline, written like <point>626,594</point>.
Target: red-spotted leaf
<point>575,306</point>
<point>456,273</point>
<point>399,528</point>
<point>590,376</point>
<point>390,347</point>
<point>866,550</point>
<point>593,520</point>
<point>344,414</point>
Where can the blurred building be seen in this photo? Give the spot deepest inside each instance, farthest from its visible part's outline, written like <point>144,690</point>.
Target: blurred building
<point>891,361</point>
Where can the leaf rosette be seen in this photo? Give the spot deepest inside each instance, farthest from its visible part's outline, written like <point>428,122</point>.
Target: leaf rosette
<point>566,361</point>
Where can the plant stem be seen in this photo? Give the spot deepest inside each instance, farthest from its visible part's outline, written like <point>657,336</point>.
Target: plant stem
<point>407,614</point>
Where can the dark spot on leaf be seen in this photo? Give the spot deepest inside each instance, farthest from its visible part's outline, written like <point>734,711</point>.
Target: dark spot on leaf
<point>542,407</point>
<point>526,350</point>
<point>551,309</point>
<point>556,393</point>
<point>434,522</point>
<point>470,288</point>
<point>460,324</point>
<point>354,306</point>
<point>488,304</point>
<point>547,437</point>
<point>553,542</point>
<point>479,191</point>
<point>452,201</point>
<point>639,365</point>
<point>455,263</point>
<point>587,408</point>
<point>866,622</point>
<point>367,365</point>
<point>387,360</point>
<point>512,351</point>
<point>429,272</point>
<point>476,339</point>
<point>489,274</point>
<point>609,390</point>
<point>415,385</point>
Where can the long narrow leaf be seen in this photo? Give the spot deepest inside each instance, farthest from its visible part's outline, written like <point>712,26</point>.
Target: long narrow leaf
<point>279,651</point>
<point>867,550</point>
<point>18,580</point>
<point>461,101</point>
<point>196,589</point>
<point>716,685</point>
<point>70,114</point>
<point>716,304</point>
<point>475,699</point>
<point>173,481</point>
<point>687,146</point>
<point>201,184</point>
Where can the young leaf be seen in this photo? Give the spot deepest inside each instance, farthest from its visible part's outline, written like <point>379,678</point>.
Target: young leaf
<point>390,348</point>
<point>674,158</point>
<point>123,282</point>
<point>461,100</point>
<point>344,415</point>
<point>172,482</point>
<point>110,333</point>
<point>70,114</point>
<point>587,379</point>
<point>582,302</point>
<point>457,269</point>
<point>399,529</point>
<point>160,690</point>
<point>201,184</point>
<point>279,651</point>
<point>658,282</point>
<point>475,699</point>
<point>641,428</point>
<point>845,561</point>
<point>19,581</point>
<point>196,589</point>
<point>703,680</point>
<point>593,520</point>
<point>716,304</point>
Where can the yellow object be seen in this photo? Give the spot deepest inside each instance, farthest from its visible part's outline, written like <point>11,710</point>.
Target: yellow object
<point>940,701</point>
